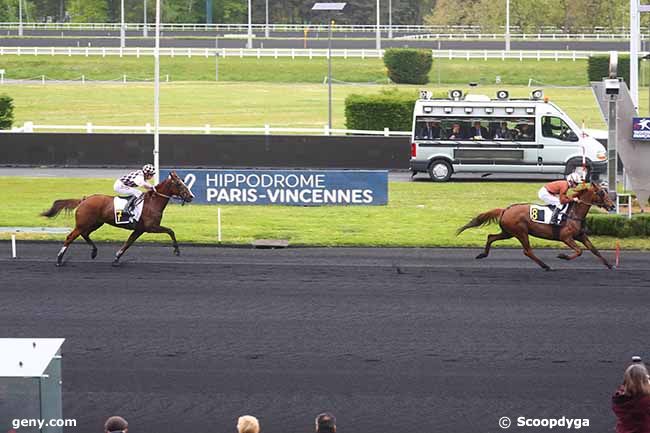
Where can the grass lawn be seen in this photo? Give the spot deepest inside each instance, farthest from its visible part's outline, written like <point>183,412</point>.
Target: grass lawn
<point>418,215</point>
<point>231,104</point>
<point>287,70</point>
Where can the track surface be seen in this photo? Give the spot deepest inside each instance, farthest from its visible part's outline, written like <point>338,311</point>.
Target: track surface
<point>190,343</point>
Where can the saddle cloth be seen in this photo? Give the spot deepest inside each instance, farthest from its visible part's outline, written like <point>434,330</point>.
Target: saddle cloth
<point>543,214</point>
<point>121,216</point>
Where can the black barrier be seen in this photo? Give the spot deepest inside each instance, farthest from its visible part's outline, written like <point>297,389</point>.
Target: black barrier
<point>228,151</point>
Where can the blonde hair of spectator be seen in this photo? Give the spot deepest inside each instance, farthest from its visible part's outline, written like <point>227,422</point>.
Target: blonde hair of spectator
<point>248,424</point>
<point>636,380</point>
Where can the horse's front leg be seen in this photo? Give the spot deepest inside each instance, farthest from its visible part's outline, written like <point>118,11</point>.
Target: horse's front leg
<point>170,232</point>
<point>135,235</point>
<point>587,242</point>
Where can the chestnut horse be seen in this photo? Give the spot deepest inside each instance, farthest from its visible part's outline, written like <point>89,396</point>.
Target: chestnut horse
<point>515,221</point>
<point>96,210</point>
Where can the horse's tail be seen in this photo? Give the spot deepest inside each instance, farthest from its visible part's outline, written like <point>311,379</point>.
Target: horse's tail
<point>488,217</point>
<point>60,205</point>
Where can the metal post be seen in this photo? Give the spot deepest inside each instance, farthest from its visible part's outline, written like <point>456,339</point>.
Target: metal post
<point>611,144</point>
<point>122,30</point>
<point>156,98</point>
<point>20,18</point>
<point>390,19</point>
<point>266,26</point>
<point>216,59</point>
<point>507,25</point>
<point>634,52</point>
<point>249,44</point>
<point>329,74</point>
<point>144,29</point>
<point>208,12</point>
<point>378,36</point>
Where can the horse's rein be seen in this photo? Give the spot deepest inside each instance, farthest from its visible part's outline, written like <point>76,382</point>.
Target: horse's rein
<point>169,197</point>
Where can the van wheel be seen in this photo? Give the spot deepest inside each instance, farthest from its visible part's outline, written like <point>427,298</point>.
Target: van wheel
<point>440,170</point>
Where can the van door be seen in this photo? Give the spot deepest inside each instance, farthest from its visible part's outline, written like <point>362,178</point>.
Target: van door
<point>559,142</point>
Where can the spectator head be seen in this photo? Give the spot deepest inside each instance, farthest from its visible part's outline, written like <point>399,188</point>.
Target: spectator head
<point>455,127</point>
<point>477,124</point>
<point>636,380</point>
<point>248,424</point>
<point>116,424</point>
<point>504,125</point>
<point>325,423</point>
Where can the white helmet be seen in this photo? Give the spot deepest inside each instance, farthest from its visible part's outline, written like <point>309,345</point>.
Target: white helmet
<point>148,170</point>
<point>574,178</point>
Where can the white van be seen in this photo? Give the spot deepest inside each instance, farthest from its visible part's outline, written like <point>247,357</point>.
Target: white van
<point>473,133</point>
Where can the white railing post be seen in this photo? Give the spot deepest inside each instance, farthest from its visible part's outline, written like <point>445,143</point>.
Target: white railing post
<point>28,127</point>
<point>89,127</point>
<point>147,128</point>
<point>267,129</point>
<point>207,128</point>
<point>386,132</point>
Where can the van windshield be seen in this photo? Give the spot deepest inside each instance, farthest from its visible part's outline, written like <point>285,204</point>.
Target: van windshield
<point>494,128</point>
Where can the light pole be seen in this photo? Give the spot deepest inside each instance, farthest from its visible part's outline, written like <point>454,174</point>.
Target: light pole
<point>144,29</point>
<point>249,44</point>
<point>378,36</point>
<point>331,7</point>
<point>156,97</point>
<point>390,19</point>
<point>507,25</point>
<point>266,27</point>
<point>20,18</point>
<point>122,30</point>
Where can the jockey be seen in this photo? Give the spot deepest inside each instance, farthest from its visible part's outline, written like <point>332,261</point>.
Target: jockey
<point>126,185</point>
<point>554,194</point>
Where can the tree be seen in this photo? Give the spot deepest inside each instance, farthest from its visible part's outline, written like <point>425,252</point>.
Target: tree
<point>6,111</point>
<point>88,11</point>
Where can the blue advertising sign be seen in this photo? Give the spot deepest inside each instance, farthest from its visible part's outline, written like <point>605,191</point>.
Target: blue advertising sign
<point>287,187</point>
<point>641,128</point>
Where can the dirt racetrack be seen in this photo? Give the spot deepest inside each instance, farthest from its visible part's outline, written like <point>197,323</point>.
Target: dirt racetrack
<point>448,344</point>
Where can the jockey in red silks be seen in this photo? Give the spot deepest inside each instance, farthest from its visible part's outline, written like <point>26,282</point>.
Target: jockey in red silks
<point>127,184</point>
<point>555,195</point>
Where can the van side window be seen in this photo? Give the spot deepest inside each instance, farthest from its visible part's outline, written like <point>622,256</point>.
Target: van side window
<point>428,129</point>
<point>554,127</point>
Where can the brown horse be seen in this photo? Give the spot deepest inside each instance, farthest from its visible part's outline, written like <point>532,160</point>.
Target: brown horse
<point>515,221</point>
<point>96,210</point>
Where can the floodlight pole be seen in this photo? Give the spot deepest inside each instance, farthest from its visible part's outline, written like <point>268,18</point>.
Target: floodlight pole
<point>507,25</point>
<point>20,18</point>
<point>378,36</point>
<point>144,29</point>
<point>634,52</point>
<point>329,75</point>
<point>390,19</point>
<point>156,98</point>
<point>266,27</point>
<point>122,29</point>
<point>249,44</point>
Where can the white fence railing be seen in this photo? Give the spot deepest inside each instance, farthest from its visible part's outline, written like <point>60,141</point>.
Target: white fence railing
<point>288,52</point>
<point>206,129</point>
<point>243,27</point>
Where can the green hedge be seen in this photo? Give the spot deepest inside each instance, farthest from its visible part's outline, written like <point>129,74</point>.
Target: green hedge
<point>6,112</point>
<point>408,65</point>
<point>393,110</point>
<point>618,225</point>
<point>598,67</point>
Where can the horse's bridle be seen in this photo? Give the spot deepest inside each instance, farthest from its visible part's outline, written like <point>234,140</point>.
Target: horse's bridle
<point>169,197</point>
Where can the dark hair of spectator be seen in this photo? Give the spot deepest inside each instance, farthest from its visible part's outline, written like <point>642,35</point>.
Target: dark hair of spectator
<point>325,423</point>
<point>115,424</point>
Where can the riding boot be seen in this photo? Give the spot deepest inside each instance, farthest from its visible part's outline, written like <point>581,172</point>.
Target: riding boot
<point>556,214</point>
<point>129,206</point>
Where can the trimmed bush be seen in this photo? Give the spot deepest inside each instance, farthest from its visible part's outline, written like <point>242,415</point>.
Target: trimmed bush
<point>6,112</point>
<point>618,225</point>
<point>393,110</point>
<point>407,65</point>
<point>598,67</point>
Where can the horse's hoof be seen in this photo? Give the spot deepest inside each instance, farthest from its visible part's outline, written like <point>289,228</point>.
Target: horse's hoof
<point>115,263</point>
<point>177,252</point>
<point>93,254</point>
<point>58,264</point>
<point>563,256</point>
<point>481,256</point>
<point>548,268</point>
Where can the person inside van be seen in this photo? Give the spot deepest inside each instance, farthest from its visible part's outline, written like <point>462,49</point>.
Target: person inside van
<point>526,132</point>
<point>501,132</point>
<point>478,132</point>
<point>548,129</point>
<point>430,130</point>
<point>456,132</point>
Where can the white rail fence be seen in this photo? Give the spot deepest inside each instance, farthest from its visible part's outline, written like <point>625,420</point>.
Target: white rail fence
<point>289,52</point>
<point>30,127</point>
<point>462,31</point>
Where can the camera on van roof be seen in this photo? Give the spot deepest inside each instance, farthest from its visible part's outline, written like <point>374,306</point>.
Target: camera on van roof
<point>425,94</point>
<point>503,94</point>
<point>537,94</point>
<point>456,94</point>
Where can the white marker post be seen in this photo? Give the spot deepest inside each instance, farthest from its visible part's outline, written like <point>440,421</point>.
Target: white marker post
<point>13,246</point>
<point>219,224</point>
